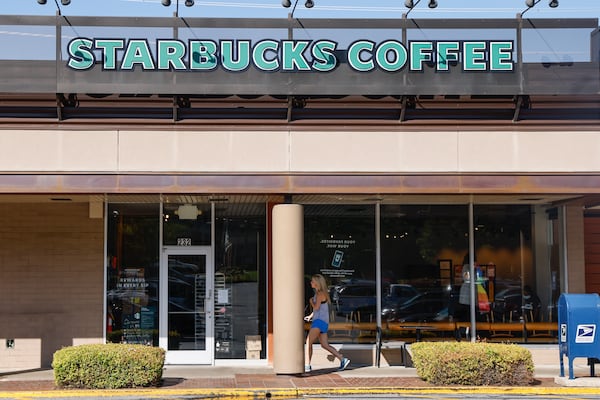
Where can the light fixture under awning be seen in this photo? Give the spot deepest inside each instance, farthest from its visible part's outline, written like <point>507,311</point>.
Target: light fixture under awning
<point>188,211</point>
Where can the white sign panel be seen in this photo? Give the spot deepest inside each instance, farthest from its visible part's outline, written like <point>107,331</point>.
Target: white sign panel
<point>563,333</point>
<point>585,333</point>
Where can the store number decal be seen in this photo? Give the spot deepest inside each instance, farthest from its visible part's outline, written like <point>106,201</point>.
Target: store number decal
<point>184,241</point>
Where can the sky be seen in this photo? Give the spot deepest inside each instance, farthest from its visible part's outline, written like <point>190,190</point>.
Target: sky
<point>37,42</point>
<point>322,8</point>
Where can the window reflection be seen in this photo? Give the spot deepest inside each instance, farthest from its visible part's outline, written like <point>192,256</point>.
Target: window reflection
<point>425,269</point>
<point>340,245</point>
<point>420,245</point>
<point>132,276</point>
<point>240,266</point>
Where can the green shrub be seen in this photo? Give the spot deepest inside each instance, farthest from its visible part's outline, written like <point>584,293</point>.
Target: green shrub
<point>108,366</point>
<point>476,364</point>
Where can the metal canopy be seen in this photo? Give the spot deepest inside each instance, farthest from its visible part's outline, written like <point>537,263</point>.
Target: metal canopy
<point>34,60</point>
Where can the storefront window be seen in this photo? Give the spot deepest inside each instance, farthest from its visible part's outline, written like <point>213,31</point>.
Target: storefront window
<point>554,252</point>
<point>240,280</point>
<point>504,260</point>
<point>239,275</point>
<point>426,274</point>
<point>339,243</point>
<point>132,276</point>
<point>421,246</point>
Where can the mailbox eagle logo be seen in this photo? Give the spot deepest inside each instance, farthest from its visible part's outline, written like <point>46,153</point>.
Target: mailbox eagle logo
<point>585,333</point>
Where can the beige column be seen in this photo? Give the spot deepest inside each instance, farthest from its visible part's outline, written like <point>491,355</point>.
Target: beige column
<point>288,289</point>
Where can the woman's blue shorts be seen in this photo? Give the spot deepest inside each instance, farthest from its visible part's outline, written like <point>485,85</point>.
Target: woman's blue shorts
<point>320,324</point>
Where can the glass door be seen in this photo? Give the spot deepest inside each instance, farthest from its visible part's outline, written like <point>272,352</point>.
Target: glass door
<point>186,305</point>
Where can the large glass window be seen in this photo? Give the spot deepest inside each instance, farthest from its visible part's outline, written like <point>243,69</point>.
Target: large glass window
<point>426,271</point>
<point>132,276</point>
<point>339,242</point>
<point>240,278</point>
<point>504,262</point>
<point>554,252</point>
<point>420,247</point>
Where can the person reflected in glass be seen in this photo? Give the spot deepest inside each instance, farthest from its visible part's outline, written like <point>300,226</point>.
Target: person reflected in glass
<point>482,304</point>
<point>320,304</point>
<point>462,307</point>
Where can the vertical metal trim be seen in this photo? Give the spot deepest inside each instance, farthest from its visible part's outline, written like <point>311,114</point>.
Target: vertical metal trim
<point>58,55</point>
<point>290,83</point>
<point>163,337</point>
<point>378,261</point>
<point>565,249</point>
<point>175,110</point>
<point>403,102</point>
<point>105,274</point>
<point>520,52</point>
<point>210,273</point>
<point>472,272</point>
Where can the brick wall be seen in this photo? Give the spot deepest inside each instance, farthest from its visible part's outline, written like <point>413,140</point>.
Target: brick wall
<point>51,285</point>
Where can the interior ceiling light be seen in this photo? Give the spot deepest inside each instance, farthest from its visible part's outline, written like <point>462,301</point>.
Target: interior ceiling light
<point>188,211</point>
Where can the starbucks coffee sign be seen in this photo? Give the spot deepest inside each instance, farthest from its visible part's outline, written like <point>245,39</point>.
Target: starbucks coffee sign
<point>288,55</point>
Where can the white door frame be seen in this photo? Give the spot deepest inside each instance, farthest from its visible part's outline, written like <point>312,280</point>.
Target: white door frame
<point>186,356</point>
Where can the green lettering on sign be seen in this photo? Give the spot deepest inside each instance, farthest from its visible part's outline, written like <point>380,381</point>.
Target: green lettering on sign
<point>137,52</point>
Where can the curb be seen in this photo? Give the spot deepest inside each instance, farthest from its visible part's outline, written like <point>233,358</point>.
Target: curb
<point>290,392</point>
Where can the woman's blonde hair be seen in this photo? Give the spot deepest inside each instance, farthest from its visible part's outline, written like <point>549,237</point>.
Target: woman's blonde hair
<point>322,285</point>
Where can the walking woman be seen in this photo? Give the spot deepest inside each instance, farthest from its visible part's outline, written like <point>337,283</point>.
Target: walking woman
<point>320,304</point>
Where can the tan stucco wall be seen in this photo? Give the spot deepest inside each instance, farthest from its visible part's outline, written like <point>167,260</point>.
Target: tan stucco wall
<point>286,151</point>
<point>51,290</point>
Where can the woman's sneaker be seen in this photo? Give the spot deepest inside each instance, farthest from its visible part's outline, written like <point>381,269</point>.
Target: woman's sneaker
<point>307,368</point>
<point>343,364</point>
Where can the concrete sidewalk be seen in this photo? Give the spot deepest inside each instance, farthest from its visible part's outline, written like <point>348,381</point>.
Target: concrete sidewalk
<point>262,382</point>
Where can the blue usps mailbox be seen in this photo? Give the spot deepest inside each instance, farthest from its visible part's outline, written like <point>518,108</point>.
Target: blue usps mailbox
<point>578,322</point>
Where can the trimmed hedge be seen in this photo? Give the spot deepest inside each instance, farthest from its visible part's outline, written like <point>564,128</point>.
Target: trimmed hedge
<point>108,366</point>
<point>474,364</point>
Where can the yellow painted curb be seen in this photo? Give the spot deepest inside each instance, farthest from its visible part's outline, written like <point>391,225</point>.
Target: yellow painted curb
<point>291,392</point>
<point>150,393</point>
<point>451,390</point>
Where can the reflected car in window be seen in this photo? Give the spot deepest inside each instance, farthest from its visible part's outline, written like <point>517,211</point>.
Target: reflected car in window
<point>397,295</point>
<point>349,299</point>
<point>507,304</point>
<point>423,307</point>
